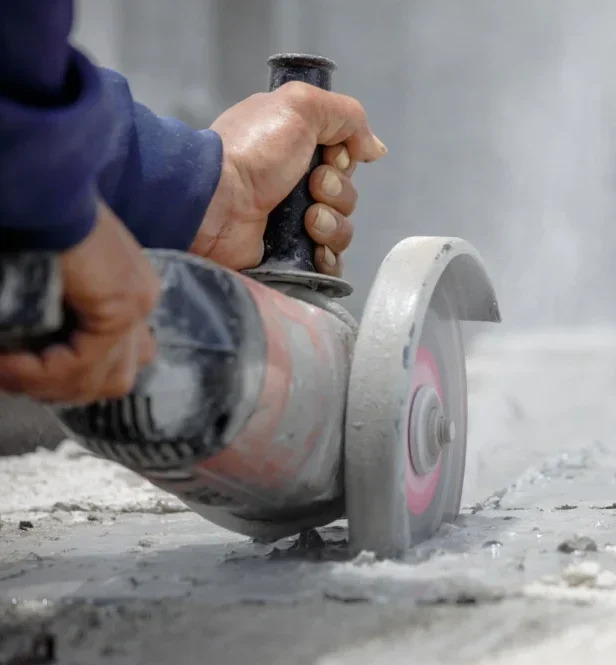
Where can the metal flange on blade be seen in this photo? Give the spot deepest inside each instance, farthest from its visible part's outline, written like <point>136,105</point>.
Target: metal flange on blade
<point>406,422</point>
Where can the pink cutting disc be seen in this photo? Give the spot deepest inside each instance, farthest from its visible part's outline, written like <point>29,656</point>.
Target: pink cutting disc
<point>420,489</point>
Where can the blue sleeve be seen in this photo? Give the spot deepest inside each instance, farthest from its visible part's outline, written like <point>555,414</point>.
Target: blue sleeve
<point>70,132</point>
<point>160,174</point>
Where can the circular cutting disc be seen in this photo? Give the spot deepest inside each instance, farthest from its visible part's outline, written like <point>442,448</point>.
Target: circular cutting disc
<point>433,496</point>
<point>405,438</point>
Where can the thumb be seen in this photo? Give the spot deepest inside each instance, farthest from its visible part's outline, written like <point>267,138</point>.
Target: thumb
<point>334,118</point>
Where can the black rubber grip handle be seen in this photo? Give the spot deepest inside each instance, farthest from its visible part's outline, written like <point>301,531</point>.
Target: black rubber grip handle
<point>287,245</point>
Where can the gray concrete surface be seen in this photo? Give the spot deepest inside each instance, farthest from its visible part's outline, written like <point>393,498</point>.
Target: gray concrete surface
<point>26,426</point>
<point>112,570</point>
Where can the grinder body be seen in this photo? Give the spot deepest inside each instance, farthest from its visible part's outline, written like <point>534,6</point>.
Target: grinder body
<point>241,415</point>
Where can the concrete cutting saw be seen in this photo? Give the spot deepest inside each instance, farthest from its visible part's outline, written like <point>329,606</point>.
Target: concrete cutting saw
<point>269,410</point>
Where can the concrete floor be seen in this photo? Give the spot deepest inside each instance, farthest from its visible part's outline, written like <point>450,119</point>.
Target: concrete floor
<point>102,568</point>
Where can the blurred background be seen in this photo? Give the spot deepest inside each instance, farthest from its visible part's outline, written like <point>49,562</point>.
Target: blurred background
<point>499,117</point>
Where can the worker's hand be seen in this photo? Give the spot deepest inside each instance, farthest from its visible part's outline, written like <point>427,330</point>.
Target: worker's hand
<point>269,140</point>
<point>112,287</point>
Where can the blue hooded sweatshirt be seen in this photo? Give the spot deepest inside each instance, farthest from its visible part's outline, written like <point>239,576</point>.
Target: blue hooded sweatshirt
<point>70,132</point>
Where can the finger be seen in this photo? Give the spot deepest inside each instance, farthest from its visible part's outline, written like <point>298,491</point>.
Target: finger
<point>338,156</point>
<point>122,374</point>
<point>334,118</point>
<point>326,262</point>
<point>328,227</point>
<point>86,363</point>
<point>114,377</point>
<point>20,372</point>
<point>55,375</point>
<point>328,185</point>
<point>50,376</point>
<point>146,346</point>
<point>73,373</point>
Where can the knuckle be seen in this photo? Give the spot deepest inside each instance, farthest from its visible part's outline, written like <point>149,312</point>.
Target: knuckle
<point>134,303</point>
<point>352,190</point>
<point>122,379</point>
<point>297,93</point>
<point>147,355</point>
<point>14,383</point>
<point>318,174</point>
<point>16,376</point>
<point>147,299</point>
<point>349,231</point>
<point>121,384</point>
<point>83,381</point>
<point>354,112</point>
<point>257,97</point>
<point>312,213</point>
<point>357,109</point>
<point>146,288</point>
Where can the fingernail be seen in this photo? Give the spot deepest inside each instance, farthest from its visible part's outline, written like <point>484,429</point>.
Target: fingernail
<point>380,145</point>
<point>329,257</point>
<point>343,161</point>
<point>325,222</point>
<point>331,186</point>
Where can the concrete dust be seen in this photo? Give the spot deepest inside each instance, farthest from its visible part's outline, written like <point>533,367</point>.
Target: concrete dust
<point>592,643</point>
<point>70,479</point>
<point>489,632</point>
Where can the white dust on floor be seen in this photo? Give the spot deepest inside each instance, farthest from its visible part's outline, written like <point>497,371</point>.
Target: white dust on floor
<point>72,480</point>
<point>592,643</point>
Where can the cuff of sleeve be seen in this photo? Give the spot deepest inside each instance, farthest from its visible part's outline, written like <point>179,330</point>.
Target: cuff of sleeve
<point>58,237</point>
<point>164,200</point>
<point>205,186</point>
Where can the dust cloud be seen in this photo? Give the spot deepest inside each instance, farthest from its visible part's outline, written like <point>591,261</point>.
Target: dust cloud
<point>553,132</point>
<point>511,145</point>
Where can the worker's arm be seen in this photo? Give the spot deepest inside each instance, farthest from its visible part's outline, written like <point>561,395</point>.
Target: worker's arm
<point>71,133</point>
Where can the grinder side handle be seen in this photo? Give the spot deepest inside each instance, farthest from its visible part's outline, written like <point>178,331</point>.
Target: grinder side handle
<point>287,244</point>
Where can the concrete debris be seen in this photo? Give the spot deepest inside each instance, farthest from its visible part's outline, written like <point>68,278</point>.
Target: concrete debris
<point>578,544</point>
